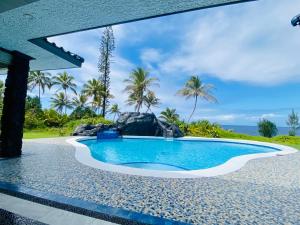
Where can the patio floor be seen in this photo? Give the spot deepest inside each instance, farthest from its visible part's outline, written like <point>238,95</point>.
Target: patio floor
<point>265,191</point>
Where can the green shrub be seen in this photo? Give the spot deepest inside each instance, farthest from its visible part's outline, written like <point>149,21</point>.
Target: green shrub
<point>54,119</point>
<point>204,128</point>
<point>91,121</point>
<point>33,104</point>
<point>82,112</point>
<point>267,128</point>
<point>32,120</point>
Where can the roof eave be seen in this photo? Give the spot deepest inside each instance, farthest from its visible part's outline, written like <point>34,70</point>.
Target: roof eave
<point>58,51</point>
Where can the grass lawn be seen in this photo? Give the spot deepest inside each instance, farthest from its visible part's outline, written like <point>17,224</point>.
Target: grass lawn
<point>43,134</point>
<point>296,146</point>
<point>281,139</point>
<point>284,140</point>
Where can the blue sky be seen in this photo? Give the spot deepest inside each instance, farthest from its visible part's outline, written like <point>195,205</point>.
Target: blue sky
<point>249,52</point>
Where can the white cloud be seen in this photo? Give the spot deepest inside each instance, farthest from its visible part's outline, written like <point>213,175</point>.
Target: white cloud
<point>150,55</point>
<point>268,116</point>
<point>254,43</point>
<point>222,118</point>
<point>249,43</point>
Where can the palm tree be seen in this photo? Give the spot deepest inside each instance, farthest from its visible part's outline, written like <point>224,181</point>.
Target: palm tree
<point>39,79</point>
<point>65,82</point>
<point>138,83</point>
<point>115,110</point>
<point>169,115</point>
<point>151,100</point>
<point>80,101</point>
<point>97,103</point>
<point>94,89</point>
<point>195,88</point>
<point>60,102</point>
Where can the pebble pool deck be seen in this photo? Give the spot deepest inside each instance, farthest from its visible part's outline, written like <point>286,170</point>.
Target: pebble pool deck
<point>264,191</point>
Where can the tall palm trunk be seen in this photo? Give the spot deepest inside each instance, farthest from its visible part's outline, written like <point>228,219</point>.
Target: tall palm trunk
<point>40,92</point>
<point>196,99</point>
<point>148,109</point>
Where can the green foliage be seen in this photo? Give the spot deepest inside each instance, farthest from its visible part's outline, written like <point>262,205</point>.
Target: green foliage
<point>32,120</point>
<point>95,89</point>
<point>195,88</point>
<point>80,100</point>
<point>138,85</point>
<point>60,101</point>
<point>151,100</point>
<point>293,123</point>
<point>91,121</point>
<point>39,79</point>
<point>33,113</point>
<point>204,128</point>
<point>267,128</point>
<point>115,110</point>
<point>169,115</point>
<point>2,89</point>
<point>33,104</point>
<point>54,119</point>
<point>82,112</point>
<point>106,48</point>
<point>64,81</point>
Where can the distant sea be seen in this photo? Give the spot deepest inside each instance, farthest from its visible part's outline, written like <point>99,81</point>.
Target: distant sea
<point>253,130</point>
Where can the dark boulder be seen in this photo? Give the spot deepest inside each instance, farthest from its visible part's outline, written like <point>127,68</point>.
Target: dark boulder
<point>133,123</point>
<point>90,130</point>
<point>145,124</point>
<point>139,124</point>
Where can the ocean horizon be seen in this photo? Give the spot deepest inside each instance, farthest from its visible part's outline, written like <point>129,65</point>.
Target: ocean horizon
<point>253,130</point>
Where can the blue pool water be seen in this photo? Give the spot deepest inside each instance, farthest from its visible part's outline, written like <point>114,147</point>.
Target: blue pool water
<point>172,155</point>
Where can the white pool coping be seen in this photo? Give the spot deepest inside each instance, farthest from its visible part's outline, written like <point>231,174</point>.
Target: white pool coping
<point>83,155</point>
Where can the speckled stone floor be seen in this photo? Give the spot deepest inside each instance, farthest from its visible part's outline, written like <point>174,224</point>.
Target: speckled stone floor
<point>265,191</point>
<point>9,218</point>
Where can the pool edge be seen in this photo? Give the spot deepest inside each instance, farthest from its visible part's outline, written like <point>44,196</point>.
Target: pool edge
<point>82,154</point>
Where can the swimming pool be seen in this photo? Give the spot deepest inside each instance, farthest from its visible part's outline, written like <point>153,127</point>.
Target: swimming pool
<point>183,157</point>
<point>168,154</point>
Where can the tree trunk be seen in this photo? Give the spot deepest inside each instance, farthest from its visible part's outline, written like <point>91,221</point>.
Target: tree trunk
<point>196,98</point>
<point>14,106</point>
<point>39,92</point>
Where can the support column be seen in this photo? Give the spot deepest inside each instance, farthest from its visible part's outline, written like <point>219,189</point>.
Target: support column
<point>14,106</point>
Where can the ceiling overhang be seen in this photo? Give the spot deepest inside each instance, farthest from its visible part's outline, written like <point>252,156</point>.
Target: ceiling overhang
<point>5,58</point>
<point>22,26</point>
<point>6,5</point>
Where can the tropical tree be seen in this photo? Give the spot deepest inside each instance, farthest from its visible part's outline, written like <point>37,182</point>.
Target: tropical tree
<point>267,128</point>
<point>169,115</point>
<point>39,79</point>
<point>34,105</point>
<point>80,101</point>
<point>293,123</point>
<point>65,81</point>
<point>138,84</point>
<point>97,103</point>
<point>115,110</point>
<point>106,48</point>
<point>195,88</point>
<point>60,102</point>
<point>95,89</point>
<point>151,100</point>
